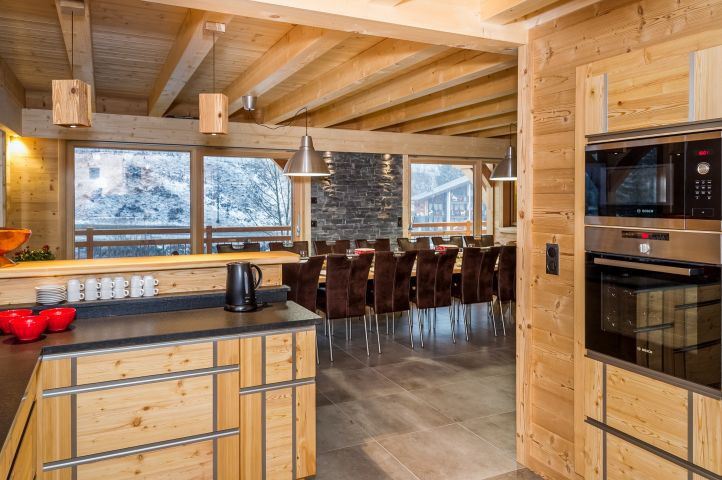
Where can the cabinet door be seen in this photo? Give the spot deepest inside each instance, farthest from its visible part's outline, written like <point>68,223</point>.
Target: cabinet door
<point>25,461</point>
<point>628,462</point>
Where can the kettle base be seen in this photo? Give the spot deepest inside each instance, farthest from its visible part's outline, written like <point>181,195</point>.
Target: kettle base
<point>241,308</point>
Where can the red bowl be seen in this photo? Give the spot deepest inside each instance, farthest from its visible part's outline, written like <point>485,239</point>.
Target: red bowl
<point>59,319</point>
<point>8,314</point>
<point>28,328</point>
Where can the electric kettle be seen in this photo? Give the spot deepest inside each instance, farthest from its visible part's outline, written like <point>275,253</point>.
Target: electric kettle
<point>241,287</point>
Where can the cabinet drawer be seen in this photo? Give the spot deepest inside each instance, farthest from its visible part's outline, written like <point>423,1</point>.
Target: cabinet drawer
<point>629,462</point>
<point>277,358</point>
<point>192,462</point>
<point>137,415</point>
<point>140,363</point>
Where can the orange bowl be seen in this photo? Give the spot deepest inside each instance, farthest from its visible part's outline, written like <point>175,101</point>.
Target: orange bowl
<point>59,319</point>
<point>10,239</point>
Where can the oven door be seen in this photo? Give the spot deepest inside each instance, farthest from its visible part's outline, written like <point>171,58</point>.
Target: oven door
<point>638,183</point>
<point>660,315</point>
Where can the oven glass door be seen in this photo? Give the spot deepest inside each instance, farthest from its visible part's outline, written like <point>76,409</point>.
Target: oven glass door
<point>641,181</point>
<point>659,315</point>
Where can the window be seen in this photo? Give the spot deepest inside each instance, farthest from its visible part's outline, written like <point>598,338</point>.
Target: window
<point>246,198</point>
<point>131,202</point>
<point>509,204</point>
<point>442,198</point>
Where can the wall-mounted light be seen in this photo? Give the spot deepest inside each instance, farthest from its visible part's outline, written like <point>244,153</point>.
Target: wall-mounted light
<point>16,146</point>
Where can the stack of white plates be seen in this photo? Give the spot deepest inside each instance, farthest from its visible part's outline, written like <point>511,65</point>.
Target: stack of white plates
<point>50,294</point>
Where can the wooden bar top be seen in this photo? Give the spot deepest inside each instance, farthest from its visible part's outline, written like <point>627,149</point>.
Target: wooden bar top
<point>132,264</point>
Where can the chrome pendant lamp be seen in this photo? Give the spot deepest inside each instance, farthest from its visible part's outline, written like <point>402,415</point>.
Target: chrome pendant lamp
<point>505,171</point>
<point>306,162</point>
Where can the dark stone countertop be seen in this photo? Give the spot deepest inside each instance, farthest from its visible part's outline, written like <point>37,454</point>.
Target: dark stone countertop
<point>18,360</point>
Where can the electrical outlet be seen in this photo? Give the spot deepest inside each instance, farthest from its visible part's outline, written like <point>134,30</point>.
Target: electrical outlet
<point>314,200</point>
<point>313,224</point>
<point>552,260</point>
<point>399,222</point>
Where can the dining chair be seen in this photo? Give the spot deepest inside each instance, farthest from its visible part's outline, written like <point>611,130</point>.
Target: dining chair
<point>405,244</point>
<point>487,240</point>
<point>422,243</point>
<point>245,247</point>
<point>380,294</point>
<point>381,244</point>
<point>506,280</point>
<point>341,246</point>
<point>322,247</point>
<point>457,240</point>
<point>297,247</point>
<point>402,282</point>
<point>442,285</point>
<point>362,243</point>
<point>465,286</point>
<point>470,241</point>
<point>423,287</point>
<point>437,241</point>
<point>487,276</point>
<point>302,280</point>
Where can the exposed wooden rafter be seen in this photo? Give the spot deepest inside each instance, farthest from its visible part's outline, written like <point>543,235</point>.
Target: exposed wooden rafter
<point>494,132</point>
<point>427,21</point>
<point>388,3</point>
<point>506,11</point>
<point>477,125</point>
<point>448,72</point>
<point>12,100</point>
<point>491,87</point>
<point>74,17</point>
<point>378,63</point>
<point>461,115</point>
<point>297,48</point>
<point>191,46</point>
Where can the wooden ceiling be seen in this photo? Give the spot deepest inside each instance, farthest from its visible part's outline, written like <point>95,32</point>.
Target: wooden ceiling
<point>155,57</point>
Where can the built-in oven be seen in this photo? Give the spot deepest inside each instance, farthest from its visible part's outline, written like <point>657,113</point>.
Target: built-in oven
<point>652,299</point>
<point>671,182</point>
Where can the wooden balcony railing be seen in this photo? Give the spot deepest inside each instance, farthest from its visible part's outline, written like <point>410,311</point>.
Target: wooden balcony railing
<point>119,242</point>
<point>442,229</point>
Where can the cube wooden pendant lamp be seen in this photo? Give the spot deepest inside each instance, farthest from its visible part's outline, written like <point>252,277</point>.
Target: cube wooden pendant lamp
<point>72,103</point>
<point>213,113</point>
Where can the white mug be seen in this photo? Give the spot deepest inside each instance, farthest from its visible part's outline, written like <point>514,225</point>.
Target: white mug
<point>150,281</point>
<point>120,282</point>
<point>136,292</point>
<point>120,292</point>
<point>106,294</point>
<point>92,290</point>
<point>75,286</point>
<point>149,291</point>
<point>106,283</point>
<point>136,281</point>
<point>75,296</point>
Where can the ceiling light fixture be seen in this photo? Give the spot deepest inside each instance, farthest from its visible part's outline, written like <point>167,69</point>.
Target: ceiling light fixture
<point>213,107</point>
<point>72,98</point>
<point>505,171</point>
<point>306,162</point>
<point>249,102</point>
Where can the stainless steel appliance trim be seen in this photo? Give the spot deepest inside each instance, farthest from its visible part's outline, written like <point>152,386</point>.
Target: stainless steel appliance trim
<point>639,222</point>
<point>653,450</point>
<point>703,225</point>
<point>277,386</point>
<point>135,450</point>
<point>655,375</point>
<point>93,387</point>
<point>650,267</point>
<point>644,142</point>
<point>673,129</point>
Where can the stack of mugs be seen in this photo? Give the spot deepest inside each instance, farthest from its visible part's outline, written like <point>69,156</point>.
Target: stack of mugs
<point>108,288</point>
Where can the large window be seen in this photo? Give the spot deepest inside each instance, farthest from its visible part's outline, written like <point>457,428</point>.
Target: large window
<point>131,202</point>
<point>246,198</point>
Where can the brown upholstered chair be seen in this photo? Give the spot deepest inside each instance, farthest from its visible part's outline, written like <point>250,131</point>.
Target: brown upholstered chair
<point>402,282</point>
<point>297,247</point>
<point>322,247</point>
<point>302,279</point>
<point>442,286</point>
<point>381,245</point>
<point>487,240</point>
<point>245,247</point>
<point>487,276</point>
<point>465,286</point>
<point>437,241</point>
<point>422,243</point>
<point>362,243</point>
<point>457,240</point>
<point>380,295</point>
<point>340,246</point>
<point>423,287</point>
<point>405,244</point>
<point>506,280</point>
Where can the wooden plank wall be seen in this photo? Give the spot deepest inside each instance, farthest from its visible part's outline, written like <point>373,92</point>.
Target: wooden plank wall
<point>606,29</point>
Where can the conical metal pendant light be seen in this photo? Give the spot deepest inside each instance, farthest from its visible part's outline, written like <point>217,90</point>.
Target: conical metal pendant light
<point>72,106</point>
<point>306,162</point>
<point>213,107</point>
<point>505,170</point>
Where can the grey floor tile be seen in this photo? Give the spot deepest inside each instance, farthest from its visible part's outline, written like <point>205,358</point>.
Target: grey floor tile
<point>521,474</point>
<point>393,414</point>
<point>420,372</point>
<point>345,385</point>
<point>362,462</point>
<point>334,430</point>
<point>482,363</point>
<point>499,430</point>
<point>448,453</point>
<point>472,398</point>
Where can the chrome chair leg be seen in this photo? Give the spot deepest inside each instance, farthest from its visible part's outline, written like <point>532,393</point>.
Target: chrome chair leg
<point>411,326</point>
<point>318,359</point>
<point>378,336</point>
<point>452,322</point>
<point>366,335</point>
<point>493,317</point>
<point>422,315</point>
<point>503,321</point>
<point>393,324</point>
<point>330,339</point>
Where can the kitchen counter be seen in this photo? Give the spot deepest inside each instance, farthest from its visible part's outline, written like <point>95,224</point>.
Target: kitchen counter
<point>19,360</point>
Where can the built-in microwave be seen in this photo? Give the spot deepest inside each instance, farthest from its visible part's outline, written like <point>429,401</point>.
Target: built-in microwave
<point>652,299</point>
<point>670,182</point>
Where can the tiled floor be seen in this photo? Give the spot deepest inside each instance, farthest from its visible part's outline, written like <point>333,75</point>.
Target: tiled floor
<point>444,412</point>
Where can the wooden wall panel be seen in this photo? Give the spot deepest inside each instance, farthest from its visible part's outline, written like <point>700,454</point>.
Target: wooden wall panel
<point>628,462</point>
<point>706,80</point>
<point>151,361</point>
<point>251,358</point>
<point>306,354</point>
<point>186,461</point>
<point>707,440</point>
<point>251,436</point>
<point>279,434</point>
<point>279,358</point>
<point>54,429</point>
<point>26,460</point>
<point>593,389</point>
<point>305,431</point>
<point>593,453</point>
<point>596,104</point>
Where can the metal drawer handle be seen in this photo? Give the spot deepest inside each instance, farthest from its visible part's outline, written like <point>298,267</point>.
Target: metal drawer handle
<point>687,272</point>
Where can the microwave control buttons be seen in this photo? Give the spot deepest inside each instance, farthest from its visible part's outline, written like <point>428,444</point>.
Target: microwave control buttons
<point>644,248</point>
<point>703,168</point>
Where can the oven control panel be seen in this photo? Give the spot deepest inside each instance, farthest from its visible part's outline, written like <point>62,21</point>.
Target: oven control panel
<point>704,178</point>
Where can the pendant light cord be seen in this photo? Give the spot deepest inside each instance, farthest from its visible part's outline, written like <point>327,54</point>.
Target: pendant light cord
<point>72,43</point>
<point>288,122</point>
<point>214,61</point>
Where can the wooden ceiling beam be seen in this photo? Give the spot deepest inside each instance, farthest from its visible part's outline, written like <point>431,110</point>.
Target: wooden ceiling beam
<point>456,69</point>
<point>460,115</point>
<point>476,125</point>
<point>491,87</point>
<point>370,67</point>
<point>74,17</point>
<point>507,11</point>
<point>297,48</point>
<point>494,132</point>
<point>190,48</point>
<point>570,6</point>
<point>12,100</point>
<point>425,21</point>
<point>388,3</point>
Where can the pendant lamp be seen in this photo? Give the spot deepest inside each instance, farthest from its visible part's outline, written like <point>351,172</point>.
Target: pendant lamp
<point>306,162</point>
<point>505,171</point>
<point>72,105</point>
<point>213,107</point>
